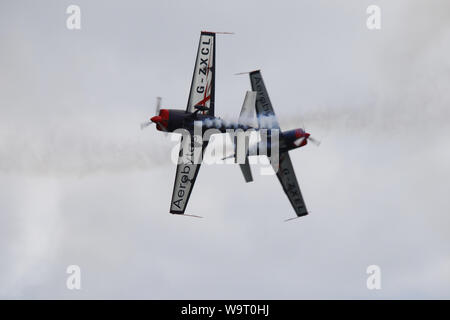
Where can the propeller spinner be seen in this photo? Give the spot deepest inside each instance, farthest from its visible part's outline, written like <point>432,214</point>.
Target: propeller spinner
<point>154,119</point>
<point>304,137</point>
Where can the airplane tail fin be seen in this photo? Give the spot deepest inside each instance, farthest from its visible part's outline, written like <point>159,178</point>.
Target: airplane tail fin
<point>246,117</point>
<point>248,112</point>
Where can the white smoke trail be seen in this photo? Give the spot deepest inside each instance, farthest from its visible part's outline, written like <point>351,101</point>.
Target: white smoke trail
<point>77,148</point>
<point>264,122</point>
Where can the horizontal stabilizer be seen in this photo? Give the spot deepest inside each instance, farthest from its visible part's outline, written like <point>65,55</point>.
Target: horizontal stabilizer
<point>246,170</point>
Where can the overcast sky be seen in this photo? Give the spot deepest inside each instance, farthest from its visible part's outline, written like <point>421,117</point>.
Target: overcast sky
<point>81,184</point>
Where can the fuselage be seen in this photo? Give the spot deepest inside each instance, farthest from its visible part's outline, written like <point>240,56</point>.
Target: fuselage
<point>169,120</point>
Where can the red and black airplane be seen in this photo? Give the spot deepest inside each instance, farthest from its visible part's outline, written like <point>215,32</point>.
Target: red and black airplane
<point>200,111</point>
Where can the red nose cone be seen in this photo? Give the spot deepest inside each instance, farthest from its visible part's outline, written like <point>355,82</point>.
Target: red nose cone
<point>305,140</point>
<point>162,120</point>
<point>156,119</point>
<point>299,133</point>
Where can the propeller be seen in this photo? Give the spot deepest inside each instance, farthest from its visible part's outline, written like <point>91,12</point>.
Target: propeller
<point>314,141</point>
<point>145,124</point>
<point>299,141</point>
<point>157,108</point>
<point>158,105</point>
<point>307,136</point>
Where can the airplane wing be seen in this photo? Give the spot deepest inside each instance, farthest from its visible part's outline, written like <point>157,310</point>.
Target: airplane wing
<point>288,181</point>
<point>187,171</point>
<point>203,79</point>
<point>264,109</point>
<point>267,119</point>
<point>200,94</point>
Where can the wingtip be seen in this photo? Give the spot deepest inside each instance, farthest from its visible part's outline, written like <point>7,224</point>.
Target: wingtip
<point>295,218</point>
<point>247,72</point>
<point>216,32</point>
<point>192,215</point>
<point>290,219</point>
<point>179,213</point>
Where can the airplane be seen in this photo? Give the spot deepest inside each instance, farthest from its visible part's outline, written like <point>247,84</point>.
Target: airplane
<point>288,140</point>
<point>200,115</point>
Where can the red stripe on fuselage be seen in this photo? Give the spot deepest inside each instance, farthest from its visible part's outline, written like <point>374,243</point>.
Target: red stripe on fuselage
<point>202,103</point>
